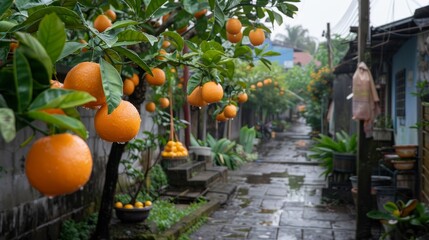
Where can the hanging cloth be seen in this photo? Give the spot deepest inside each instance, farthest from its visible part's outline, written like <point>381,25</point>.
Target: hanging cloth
<point>365,98</point>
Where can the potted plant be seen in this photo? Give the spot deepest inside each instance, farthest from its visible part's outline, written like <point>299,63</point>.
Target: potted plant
<point>403,220</point>
<point>337,154</point>
<point>383,128</point>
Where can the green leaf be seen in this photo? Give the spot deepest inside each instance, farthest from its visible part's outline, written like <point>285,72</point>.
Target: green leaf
<point>23,80</point>
<point>177,39</point>
<point>242,50</point>
<point>34,50</point>
<point>270,54</point>
<point>68,17</point>
<point>266,62</point>
<point>192,46</point>
<point>52,35</point>
<point>121,24</point>
<point>3,103</point>
<point>193,82</point>
<point>5,5</point>
<point>278,18</point>
<point>212,56</point>
<point>61,121</point>
<point>7,124</point>
<point>70,48</point>
<point>112,85</point>
<point>131,37</point>
<point>60,98</point>
<point>153,6</point>
<point>6,26</point>
<point>211,45</point>
<point>133,57</point>
<point>108,39</point>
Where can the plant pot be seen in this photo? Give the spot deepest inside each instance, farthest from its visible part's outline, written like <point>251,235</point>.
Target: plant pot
<point>382,134</point>
<point>132,215</point>
<point>375,181</point>
<point>201,151</point>
<point>344,162</point>
<point>391,194</point>
<point>406,151</point>
<point>403,164</point>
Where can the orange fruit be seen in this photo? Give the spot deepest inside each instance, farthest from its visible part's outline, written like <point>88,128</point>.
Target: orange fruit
<point>165,44</point>
<point>259,84</point>
<point>164,102</point>
<point>150,107</point>
<point>173,70</point>
<point>128,206</point>
<point>157,78</point>
<point>56,84</point>
<point>221,117</point>
<point>253,87</point>
<point>128,87</point>
<point>200,14</point>
<point>230,111</point>
<point>139,205</point>
<point>161,55</point>
<point>119,205</point>
<point>196,97</point>
<point>212,92</point>
<point>13,46</point>
<point>233,26</point>
<point>182,29</point>
<point>102,22</point>
<point>182,79</point>
<point>165,17</point>
<point>242,97</point>
<point>148,203</point>
<point>135,78</point>
<point>86,76</point>
<point>121,125</point>
<point>267,81</point>
<point>234,38</point>
<point>257,36</point>
<point>180,85</point>
<point>110,14</point>
<point>58,164</point>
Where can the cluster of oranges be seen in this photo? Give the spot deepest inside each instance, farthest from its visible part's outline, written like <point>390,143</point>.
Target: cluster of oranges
<point>267,82</point>
<point>104,21</point>
<point>174,149</point>
<point>234,35</point>
<point>137,204</point>
<point>130,84</point>
<point>209,92</point>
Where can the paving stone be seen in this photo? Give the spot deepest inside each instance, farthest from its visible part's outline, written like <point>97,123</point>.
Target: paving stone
<point>263,233</point>
<point>344,235</point>
<point>319,234</point>
<point>347,225</point>
<point>317,213</point>
<point>289,233</point>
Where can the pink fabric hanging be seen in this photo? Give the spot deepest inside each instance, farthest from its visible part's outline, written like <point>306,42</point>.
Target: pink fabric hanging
<point>365,98</point>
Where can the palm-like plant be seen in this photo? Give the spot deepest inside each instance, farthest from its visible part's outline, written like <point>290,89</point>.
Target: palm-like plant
<point>325,147</point>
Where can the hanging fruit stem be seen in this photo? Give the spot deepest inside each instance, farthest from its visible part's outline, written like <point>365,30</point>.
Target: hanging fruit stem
<point>171,114</point>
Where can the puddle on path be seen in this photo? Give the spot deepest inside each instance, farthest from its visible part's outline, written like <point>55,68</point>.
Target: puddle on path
<point>295,181</point>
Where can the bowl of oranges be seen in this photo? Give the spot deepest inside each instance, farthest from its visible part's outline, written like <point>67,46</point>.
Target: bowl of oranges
<point>137,212</point>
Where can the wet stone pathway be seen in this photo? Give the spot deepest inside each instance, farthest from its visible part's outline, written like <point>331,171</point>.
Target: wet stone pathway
<point>279,197</point>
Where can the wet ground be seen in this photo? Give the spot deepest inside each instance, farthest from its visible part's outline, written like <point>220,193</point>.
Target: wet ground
<point>279,196</point>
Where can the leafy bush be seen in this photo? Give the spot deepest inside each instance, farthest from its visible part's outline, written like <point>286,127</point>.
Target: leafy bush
<point>325,147</point>
<point>164,213</point>
<point>72,230</point>
<point>247,135</point>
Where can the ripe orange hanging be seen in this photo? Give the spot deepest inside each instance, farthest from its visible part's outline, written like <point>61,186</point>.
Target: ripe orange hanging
<point>58,164</point>
<point>221,117</point>
<point>157,78</point>
<point>230,111</point>
<point>165,44</point>
<point>259,84</point>
<point>196,97</point>
<point>86,76</point>
<point>150,107</point>
<point>110,14</point>
<point>164,102</point>
<point>128,87</point>
<point>257,36</point>
<point>102,22</point>
<point>121,125</point>
<point>242,97</point>
<point>135,78</point>
<point>200,14</point>
<point>212,92</point>
<point>233,26</point>
<point>234,38</point>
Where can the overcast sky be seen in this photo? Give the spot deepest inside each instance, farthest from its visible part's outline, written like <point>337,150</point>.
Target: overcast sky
<point>313,15</point>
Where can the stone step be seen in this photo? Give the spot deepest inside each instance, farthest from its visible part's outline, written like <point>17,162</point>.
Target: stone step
<point>220,169</point>
<point>201,180</point>
<point>185,171</point>
<point>221,192</point>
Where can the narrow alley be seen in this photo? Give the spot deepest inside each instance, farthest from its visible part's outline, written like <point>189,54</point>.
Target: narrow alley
<point>280,197</point>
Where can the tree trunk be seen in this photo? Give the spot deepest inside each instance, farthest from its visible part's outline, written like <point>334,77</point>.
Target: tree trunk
<point>105,212</point>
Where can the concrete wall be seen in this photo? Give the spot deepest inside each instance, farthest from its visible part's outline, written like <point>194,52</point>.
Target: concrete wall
<point>406,58</point>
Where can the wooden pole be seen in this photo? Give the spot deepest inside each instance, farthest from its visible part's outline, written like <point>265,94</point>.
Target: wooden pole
<point>328,43</point>
<point>364,200</point>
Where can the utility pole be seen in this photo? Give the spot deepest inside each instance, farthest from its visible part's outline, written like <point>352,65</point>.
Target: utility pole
<point>328,43</point>
<point>363,223</point>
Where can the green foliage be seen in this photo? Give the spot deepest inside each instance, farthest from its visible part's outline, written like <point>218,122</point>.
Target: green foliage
<point>405,220</point>
<point>247,135</point>
<point>194,228</point>
<point>325,147</point>
<point>165,214</point>
<point>72,230</point>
